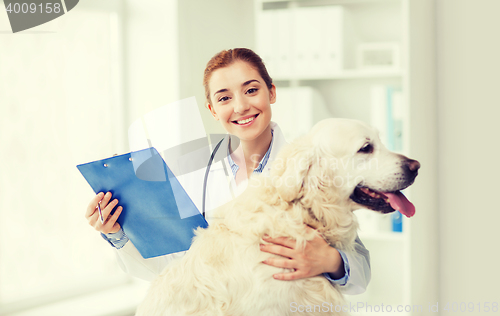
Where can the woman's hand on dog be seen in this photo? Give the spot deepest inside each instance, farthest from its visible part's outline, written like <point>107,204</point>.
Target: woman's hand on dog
<point>110,224</point>
<point>316,258</point>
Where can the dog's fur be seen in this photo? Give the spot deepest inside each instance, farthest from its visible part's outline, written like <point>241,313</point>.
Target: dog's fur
<point>311,183</point>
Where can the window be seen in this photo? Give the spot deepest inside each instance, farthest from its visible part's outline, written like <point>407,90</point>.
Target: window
<point>59,107</point>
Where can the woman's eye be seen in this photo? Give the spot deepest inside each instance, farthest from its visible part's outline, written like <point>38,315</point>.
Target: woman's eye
<point>252,90</point>
<point>366,149</point>
<point>223,99</point>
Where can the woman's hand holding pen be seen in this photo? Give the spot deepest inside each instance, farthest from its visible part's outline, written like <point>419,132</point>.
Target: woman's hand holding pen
<point>98,213</point>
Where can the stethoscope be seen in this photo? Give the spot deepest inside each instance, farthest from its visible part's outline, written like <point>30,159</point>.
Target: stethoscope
<point>206,175</point>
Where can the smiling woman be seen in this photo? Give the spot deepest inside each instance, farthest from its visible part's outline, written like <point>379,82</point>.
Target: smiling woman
<point>242,104</point>
<point>239,93</point>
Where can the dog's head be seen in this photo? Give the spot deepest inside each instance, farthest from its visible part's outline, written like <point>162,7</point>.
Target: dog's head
<point>343,162</point>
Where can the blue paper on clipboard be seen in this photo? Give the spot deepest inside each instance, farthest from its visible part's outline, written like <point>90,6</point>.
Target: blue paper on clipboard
<point>158,216</point>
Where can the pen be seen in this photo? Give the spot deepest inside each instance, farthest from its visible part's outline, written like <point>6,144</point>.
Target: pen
<point>100,212</point>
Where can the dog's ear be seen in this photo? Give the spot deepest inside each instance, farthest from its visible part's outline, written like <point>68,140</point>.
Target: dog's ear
<point>290,169</point>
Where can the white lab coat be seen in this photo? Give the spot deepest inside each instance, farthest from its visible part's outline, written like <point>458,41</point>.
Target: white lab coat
<point>221,188</point>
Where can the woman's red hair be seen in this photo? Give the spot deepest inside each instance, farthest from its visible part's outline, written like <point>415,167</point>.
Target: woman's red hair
<point>228,57</point>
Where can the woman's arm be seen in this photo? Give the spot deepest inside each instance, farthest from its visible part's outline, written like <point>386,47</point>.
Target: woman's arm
<point>128,257</point>
<point>130,261</point>
<point>351,271</point>
<point>357,270</point>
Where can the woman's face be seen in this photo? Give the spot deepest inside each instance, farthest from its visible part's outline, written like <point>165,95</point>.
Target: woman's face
<point>240,100</point>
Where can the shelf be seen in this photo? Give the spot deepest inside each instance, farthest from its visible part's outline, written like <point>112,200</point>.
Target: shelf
<point>350,74</point>
<point>299,53</point>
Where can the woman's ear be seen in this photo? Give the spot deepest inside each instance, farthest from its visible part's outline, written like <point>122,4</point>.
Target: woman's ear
<point>212,110</point>
<point>272,94</point>
<point>290,169</point>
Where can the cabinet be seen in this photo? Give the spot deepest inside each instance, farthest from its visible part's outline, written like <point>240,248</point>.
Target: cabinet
<point>370,60</point>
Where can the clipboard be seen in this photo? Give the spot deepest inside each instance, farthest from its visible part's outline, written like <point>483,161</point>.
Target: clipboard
<point>158,216</point>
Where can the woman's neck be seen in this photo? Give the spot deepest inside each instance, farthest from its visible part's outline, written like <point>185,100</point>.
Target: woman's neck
<point>249,153</point>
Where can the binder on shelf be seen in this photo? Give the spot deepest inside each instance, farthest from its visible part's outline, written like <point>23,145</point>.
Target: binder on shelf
<point>395,118</point>
<point>284,63</point>
<point>158,216</point>
<point>387,115</point>
<point>397,222</point>
<point>267,43</point>
<point>307,33</point>
<point>334,40</point>
<point>303,42</point>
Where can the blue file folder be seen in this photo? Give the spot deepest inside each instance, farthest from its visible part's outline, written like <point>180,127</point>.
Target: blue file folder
<point>158,216</point>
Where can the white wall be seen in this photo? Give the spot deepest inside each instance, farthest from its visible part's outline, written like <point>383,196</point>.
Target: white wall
<point>468,58</point>
<point>151,56</point>
<point>421,82</point>
<point>205,28</point>
<point>58,108</point>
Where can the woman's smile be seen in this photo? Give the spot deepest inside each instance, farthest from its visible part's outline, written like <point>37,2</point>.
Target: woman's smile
<point>246,120</point>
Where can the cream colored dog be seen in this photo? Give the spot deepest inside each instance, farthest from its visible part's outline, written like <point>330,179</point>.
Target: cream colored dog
<point>318,180</point>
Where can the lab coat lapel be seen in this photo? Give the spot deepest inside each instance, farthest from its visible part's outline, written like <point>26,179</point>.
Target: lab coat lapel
<point>221,184</point>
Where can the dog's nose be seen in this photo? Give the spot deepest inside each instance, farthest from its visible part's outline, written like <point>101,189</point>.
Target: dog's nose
<point>413,165</point>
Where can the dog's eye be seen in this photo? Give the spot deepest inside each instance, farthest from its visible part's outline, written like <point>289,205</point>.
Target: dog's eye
<point>366,149</point>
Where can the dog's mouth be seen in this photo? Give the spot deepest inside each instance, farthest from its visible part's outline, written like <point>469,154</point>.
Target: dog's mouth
<point>384,202</point>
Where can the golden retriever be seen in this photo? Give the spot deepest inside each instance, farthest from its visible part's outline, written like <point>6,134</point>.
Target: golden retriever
<point>318,180</point>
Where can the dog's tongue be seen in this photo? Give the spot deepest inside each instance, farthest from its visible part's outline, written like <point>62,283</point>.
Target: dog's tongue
<point>400,202</point>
